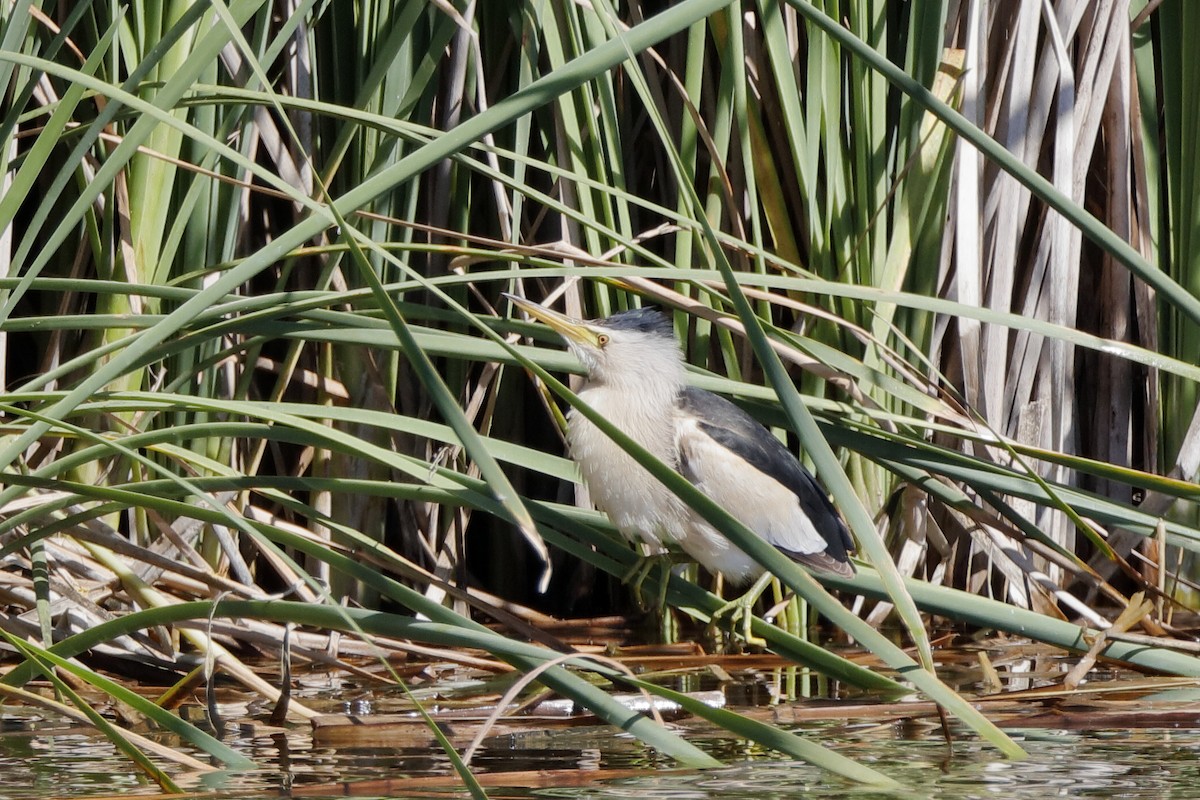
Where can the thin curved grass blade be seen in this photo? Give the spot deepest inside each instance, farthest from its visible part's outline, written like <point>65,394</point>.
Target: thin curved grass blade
<point>110,731</point>
<point>160,716</point>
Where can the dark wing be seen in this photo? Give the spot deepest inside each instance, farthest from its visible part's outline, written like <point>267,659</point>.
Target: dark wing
<point>724,439</point>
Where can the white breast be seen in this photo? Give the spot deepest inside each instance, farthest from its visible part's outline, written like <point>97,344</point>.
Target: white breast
<point>641,507</point>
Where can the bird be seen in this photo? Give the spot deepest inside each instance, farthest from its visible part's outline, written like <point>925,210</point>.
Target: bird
<point>637,379</point>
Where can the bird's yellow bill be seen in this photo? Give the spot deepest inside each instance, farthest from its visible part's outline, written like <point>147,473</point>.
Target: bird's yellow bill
<point>572,329</point>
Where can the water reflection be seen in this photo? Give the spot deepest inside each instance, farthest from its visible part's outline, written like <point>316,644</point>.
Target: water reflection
<point>1125,764</point>
<point>40,759</point>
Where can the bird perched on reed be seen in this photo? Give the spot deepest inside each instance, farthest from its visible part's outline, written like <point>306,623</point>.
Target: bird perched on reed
<point>636,379</point>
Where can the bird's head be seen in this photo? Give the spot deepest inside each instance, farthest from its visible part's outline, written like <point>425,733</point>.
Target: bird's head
<point>629,348</point>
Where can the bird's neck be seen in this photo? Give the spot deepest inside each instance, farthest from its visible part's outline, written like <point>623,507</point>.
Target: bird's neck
<point>652,390</point>
<point>643,406</point>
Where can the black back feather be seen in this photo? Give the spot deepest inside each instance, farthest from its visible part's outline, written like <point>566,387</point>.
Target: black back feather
<point>732,427</point>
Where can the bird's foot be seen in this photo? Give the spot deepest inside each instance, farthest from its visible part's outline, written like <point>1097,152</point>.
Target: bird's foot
<point>740,613</point>
<point>636,577</point>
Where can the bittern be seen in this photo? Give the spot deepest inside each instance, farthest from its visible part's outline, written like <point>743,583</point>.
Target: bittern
<point>636,378</point>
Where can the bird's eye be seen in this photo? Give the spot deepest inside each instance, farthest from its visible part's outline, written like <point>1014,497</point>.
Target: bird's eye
<point>602,339</point>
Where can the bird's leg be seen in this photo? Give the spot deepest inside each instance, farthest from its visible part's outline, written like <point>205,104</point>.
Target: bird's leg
<point>741,609</point>
<point>648,560</point>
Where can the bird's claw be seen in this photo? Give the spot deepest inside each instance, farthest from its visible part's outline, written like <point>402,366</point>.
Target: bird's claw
<point>740,613</point>
<point>636,576</point>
